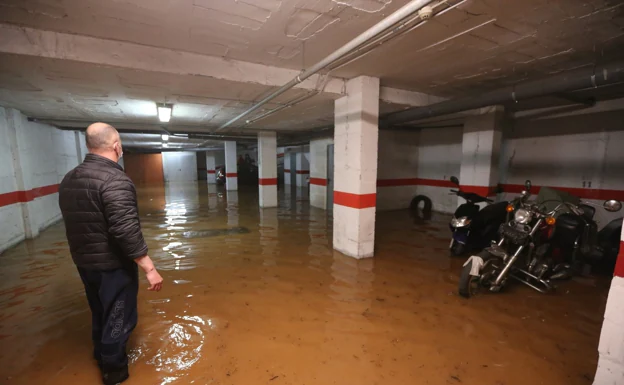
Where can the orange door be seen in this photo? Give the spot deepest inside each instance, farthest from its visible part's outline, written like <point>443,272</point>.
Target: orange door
<point>144,169</point>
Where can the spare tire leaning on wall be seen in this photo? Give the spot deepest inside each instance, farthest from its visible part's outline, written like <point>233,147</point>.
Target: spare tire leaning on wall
<point>421,207</point>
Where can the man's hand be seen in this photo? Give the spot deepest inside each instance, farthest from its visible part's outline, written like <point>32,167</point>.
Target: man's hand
<point>155,280</point>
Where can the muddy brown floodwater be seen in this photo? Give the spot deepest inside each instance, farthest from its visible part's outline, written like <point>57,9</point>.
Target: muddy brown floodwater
<point>259,297</point>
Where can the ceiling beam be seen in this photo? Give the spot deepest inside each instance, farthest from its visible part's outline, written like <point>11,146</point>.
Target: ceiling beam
<point>54,45</point>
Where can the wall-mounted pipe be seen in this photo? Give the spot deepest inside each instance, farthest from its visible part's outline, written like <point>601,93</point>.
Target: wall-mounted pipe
<point>371,33</point>
<point>568,81</point>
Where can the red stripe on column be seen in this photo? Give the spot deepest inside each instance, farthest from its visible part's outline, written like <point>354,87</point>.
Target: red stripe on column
<point>211,171</point>
<point>619,265</point>
<point>231,174</point>
<point>318,181</point>
<point>303,171</point>
<point>27,196</point>
<point>267,181</point>
<point>356,201</point>
<point>286,170</point>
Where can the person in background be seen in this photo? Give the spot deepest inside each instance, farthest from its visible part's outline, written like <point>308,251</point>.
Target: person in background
<point>99,207</point>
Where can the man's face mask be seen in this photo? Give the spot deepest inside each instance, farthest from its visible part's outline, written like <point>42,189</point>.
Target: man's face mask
<point>119,151</point>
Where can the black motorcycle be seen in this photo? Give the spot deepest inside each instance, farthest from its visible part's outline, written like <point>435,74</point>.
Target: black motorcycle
<point>472,227</point>
<point>524,251</point>
<point>577,242</point>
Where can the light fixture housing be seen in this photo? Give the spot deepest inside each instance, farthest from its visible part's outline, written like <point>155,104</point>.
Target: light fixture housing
<point>165,137</point>
<point>164,112</point>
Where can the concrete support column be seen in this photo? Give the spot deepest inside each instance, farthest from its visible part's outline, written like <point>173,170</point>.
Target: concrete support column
<point>481,146</point>
<point>303,167</point>
<point>355,167</point>
<point>211,171</point>
<point>267,169</point>
<point>611,346</point>
<point>287,156</point>
<point>231,167</point>
<point>318,172</point>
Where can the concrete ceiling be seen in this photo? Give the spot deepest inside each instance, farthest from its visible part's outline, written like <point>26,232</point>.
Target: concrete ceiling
<point>85,60</point>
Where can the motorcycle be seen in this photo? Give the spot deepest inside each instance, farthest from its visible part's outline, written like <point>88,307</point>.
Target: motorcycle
<point>521,251</point>
<point>472,227</point>
<point>577,239</point>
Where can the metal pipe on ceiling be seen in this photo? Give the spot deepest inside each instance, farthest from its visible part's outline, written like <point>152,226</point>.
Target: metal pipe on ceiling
<point>591,77</point>
<point>404,12</point>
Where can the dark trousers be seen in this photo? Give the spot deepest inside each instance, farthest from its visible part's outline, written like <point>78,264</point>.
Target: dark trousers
<point>112,297</point>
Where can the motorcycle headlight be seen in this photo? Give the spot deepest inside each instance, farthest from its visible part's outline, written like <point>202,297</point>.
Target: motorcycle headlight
<point>522,216</point>
<point>460,222</point>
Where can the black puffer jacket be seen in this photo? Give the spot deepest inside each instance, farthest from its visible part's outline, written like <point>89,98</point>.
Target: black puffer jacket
<point>99,207</point>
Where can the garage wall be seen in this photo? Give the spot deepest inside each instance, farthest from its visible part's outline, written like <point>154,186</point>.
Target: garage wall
<point>179,166</point>
<point>418,162</point>
<point>582,154</point>
<point>35,158</point>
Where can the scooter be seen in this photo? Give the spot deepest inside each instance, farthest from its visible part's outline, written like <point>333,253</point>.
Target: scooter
<point>472,227</point>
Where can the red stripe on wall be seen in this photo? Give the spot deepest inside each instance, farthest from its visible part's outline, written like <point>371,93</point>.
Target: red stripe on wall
<point>484,191</point>
<point>619,265</point>
<point>585,193</point>
<point>211,171</point>
<point>280,155</point>
<point>356,201</point>
<point>414,182</point>
<point>303,171</point>
<point>27,196</point>
<point>267,181</point>
<point>286,170</point>
<point>231,174</point>
<point>318,181</point>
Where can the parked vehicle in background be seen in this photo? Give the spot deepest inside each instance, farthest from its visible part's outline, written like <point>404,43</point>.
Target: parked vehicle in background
<point>472,227</point>
<point>527,239</point>
<point>221,175</point>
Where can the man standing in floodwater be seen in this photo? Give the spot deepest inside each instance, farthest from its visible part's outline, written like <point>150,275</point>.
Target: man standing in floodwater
<point>99,207</point>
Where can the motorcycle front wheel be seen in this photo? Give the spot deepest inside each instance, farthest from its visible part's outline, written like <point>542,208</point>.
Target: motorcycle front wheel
<point>468,284</point>
<point>457,249</point>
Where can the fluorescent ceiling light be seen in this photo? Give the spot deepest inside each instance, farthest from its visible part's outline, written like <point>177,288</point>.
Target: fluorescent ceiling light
<point>165,145</point>
<point>165,137</point>
<point>164,113</point>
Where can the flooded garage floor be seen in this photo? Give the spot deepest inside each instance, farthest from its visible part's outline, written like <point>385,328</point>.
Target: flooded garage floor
<point>259,297</point>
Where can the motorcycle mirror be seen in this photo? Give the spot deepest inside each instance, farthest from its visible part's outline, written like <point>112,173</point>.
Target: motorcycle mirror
<point>454,180</point>
<point>527,185</point>
<point>612,205</point>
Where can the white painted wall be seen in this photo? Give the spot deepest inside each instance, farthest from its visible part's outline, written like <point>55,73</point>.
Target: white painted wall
<point>583,151</point>
<point>424,154</point>
<point>179,167</point>
<point>560,152</point>
<point>44,154</point>
<point>318,169</point>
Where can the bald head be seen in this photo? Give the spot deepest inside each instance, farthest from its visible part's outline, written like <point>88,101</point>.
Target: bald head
<point>103,139</point>
<point>101,136</point>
